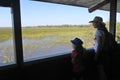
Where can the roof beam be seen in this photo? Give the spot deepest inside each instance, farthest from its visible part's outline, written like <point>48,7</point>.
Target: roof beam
<point>5,3</point>
<point>98,5</point>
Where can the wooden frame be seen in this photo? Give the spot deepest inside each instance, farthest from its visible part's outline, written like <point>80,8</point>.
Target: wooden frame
<point>5,3</point>
<point>15,7</point>
<point>113,12</point>
<point>98,5</point>
<point>16,16</point>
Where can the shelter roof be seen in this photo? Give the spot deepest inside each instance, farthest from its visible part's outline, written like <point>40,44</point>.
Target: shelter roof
<point>85,3</point>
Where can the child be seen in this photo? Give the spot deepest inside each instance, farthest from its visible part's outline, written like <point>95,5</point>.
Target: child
<point>77,58</point>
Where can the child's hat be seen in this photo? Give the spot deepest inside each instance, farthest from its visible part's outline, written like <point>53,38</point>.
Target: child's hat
<point>77,41</point>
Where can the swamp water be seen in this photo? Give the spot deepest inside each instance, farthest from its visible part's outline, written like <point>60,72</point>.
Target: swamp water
<point>33,49</point>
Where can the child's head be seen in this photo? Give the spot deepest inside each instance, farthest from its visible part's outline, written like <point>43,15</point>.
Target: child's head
<point>76,42</point>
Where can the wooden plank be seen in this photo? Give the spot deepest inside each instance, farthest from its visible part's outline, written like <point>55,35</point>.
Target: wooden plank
<point>5,3</point>
<point>98,5</point>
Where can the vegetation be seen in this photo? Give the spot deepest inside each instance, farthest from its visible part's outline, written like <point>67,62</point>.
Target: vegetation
<point>53,34</point>
<point>63,33</point>
<point>118,32</point>
<point>5,34</point>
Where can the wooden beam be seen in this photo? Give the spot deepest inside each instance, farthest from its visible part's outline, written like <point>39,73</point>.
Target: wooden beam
<point>113,12</point>
<point>98,5</point>
<point>17,32</point>
<point>5,3</point>
<point>112,28</point>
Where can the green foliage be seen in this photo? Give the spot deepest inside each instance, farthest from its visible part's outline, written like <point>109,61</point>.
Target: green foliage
<point>65,25</point>
<point>5,33</point>
<point>62,32</point>
<point>118,32</point>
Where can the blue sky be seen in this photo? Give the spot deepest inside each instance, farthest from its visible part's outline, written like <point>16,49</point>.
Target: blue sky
<point>41,13</point>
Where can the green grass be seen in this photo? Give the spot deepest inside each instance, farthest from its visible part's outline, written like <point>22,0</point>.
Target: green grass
<point>63,34</point>
<point>5,34</point>
<point>43,32</point>
<point>59,35</point>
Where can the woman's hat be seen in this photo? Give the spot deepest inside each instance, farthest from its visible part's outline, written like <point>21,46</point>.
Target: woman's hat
<point>77,41</point>
<point>97,19</point>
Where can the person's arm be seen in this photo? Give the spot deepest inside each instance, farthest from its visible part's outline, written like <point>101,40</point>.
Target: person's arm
<point>100,66</point>
<point>99,47</point>
<point>99,39</point>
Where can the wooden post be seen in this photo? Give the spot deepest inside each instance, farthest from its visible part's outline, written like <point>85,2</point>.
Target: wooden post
<point>17,32</point>
<point>113,12</point>
<point>112,28</point>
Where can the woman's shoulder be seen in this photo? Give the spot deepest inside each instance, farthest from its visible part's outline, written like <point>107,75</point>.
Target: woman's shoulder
<point>99,33</point>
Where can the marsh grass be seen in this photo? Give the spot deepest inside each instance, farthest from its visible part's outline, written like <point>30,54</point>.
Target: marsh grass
<point>50,35</point>
<point>63,34</point>
<point>5,34</point>
<point>5,56</point>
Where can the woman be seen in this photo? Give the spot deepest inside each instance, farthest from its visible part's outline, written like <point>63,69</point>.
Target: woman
<point>101,55</point>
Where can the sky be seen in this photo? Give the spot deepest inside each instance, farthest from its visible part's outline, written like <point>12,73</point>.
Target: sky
<point>40,13</point>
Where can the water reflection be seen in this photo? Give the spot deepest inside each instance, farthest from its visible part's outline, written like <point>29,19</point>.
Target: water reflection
<point>33,49</point>
<point>7,53</point>
<point>43,48</point>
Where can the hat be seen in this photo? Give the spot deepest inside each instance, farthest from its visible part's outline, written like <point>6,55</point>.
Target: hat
<point>97,19</point>
<point>77,41</point>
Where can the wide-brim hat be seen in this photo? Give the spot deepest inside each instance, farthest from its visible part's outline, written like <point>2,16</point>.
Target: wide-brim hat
<point>97,19</point>
<point>77,41</point>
